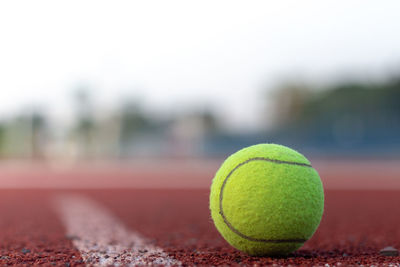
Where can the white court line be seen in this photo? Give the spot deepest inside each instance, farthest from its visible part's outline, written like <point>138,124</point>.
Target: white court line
<point>102,239</point>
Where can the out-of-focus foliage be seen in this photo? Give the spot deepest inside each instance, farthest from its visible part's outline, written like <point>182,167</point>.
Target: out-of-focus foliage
<point>2,140</point>
<point>352,115</point>
<point>133,121</point>
<point>24,136</point>
<point>353,118</point>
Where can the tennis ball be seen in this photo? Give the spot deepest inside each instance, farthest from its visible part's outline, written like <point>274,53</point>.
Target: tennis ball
<point>266,199</point>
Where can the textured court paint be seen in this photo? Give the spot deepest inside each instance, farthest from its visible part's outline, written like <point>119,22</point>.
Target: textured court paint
<point>267,207</point>
<point>102,239</point>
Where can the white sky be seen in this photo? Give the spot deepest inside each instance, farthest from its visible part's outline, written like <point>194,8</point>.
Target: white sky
<point>175,55</point>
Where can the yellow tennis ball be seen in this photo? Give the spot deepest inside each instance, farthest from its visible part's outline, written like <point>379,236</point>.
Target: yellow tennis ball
<point>266,199</point>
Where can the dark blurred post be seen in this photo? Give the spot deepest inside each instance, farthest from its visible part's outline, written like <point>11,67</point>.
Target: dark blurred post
<point>85,123</point>
<point>210,122</point>
<point>38,125</point>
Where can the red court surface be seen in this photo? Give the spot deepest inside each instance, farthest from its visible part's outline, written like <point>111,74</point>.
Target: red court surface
<point>357,223</point>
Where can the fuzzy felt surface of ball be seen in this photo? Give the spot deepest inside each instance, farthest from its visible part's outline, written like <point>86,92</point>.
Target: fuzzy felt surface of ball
<point>266,199</point>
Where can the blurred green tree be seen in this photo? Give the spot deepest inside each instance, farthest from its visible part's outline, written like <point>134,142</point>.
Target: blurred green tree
<point>133,121</point>
<point>2,140</point>
<point>347,113</point>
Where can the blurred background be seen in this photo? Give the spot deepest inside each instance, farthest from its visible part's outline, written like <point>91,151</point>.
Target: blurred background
<point>91,80</point>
